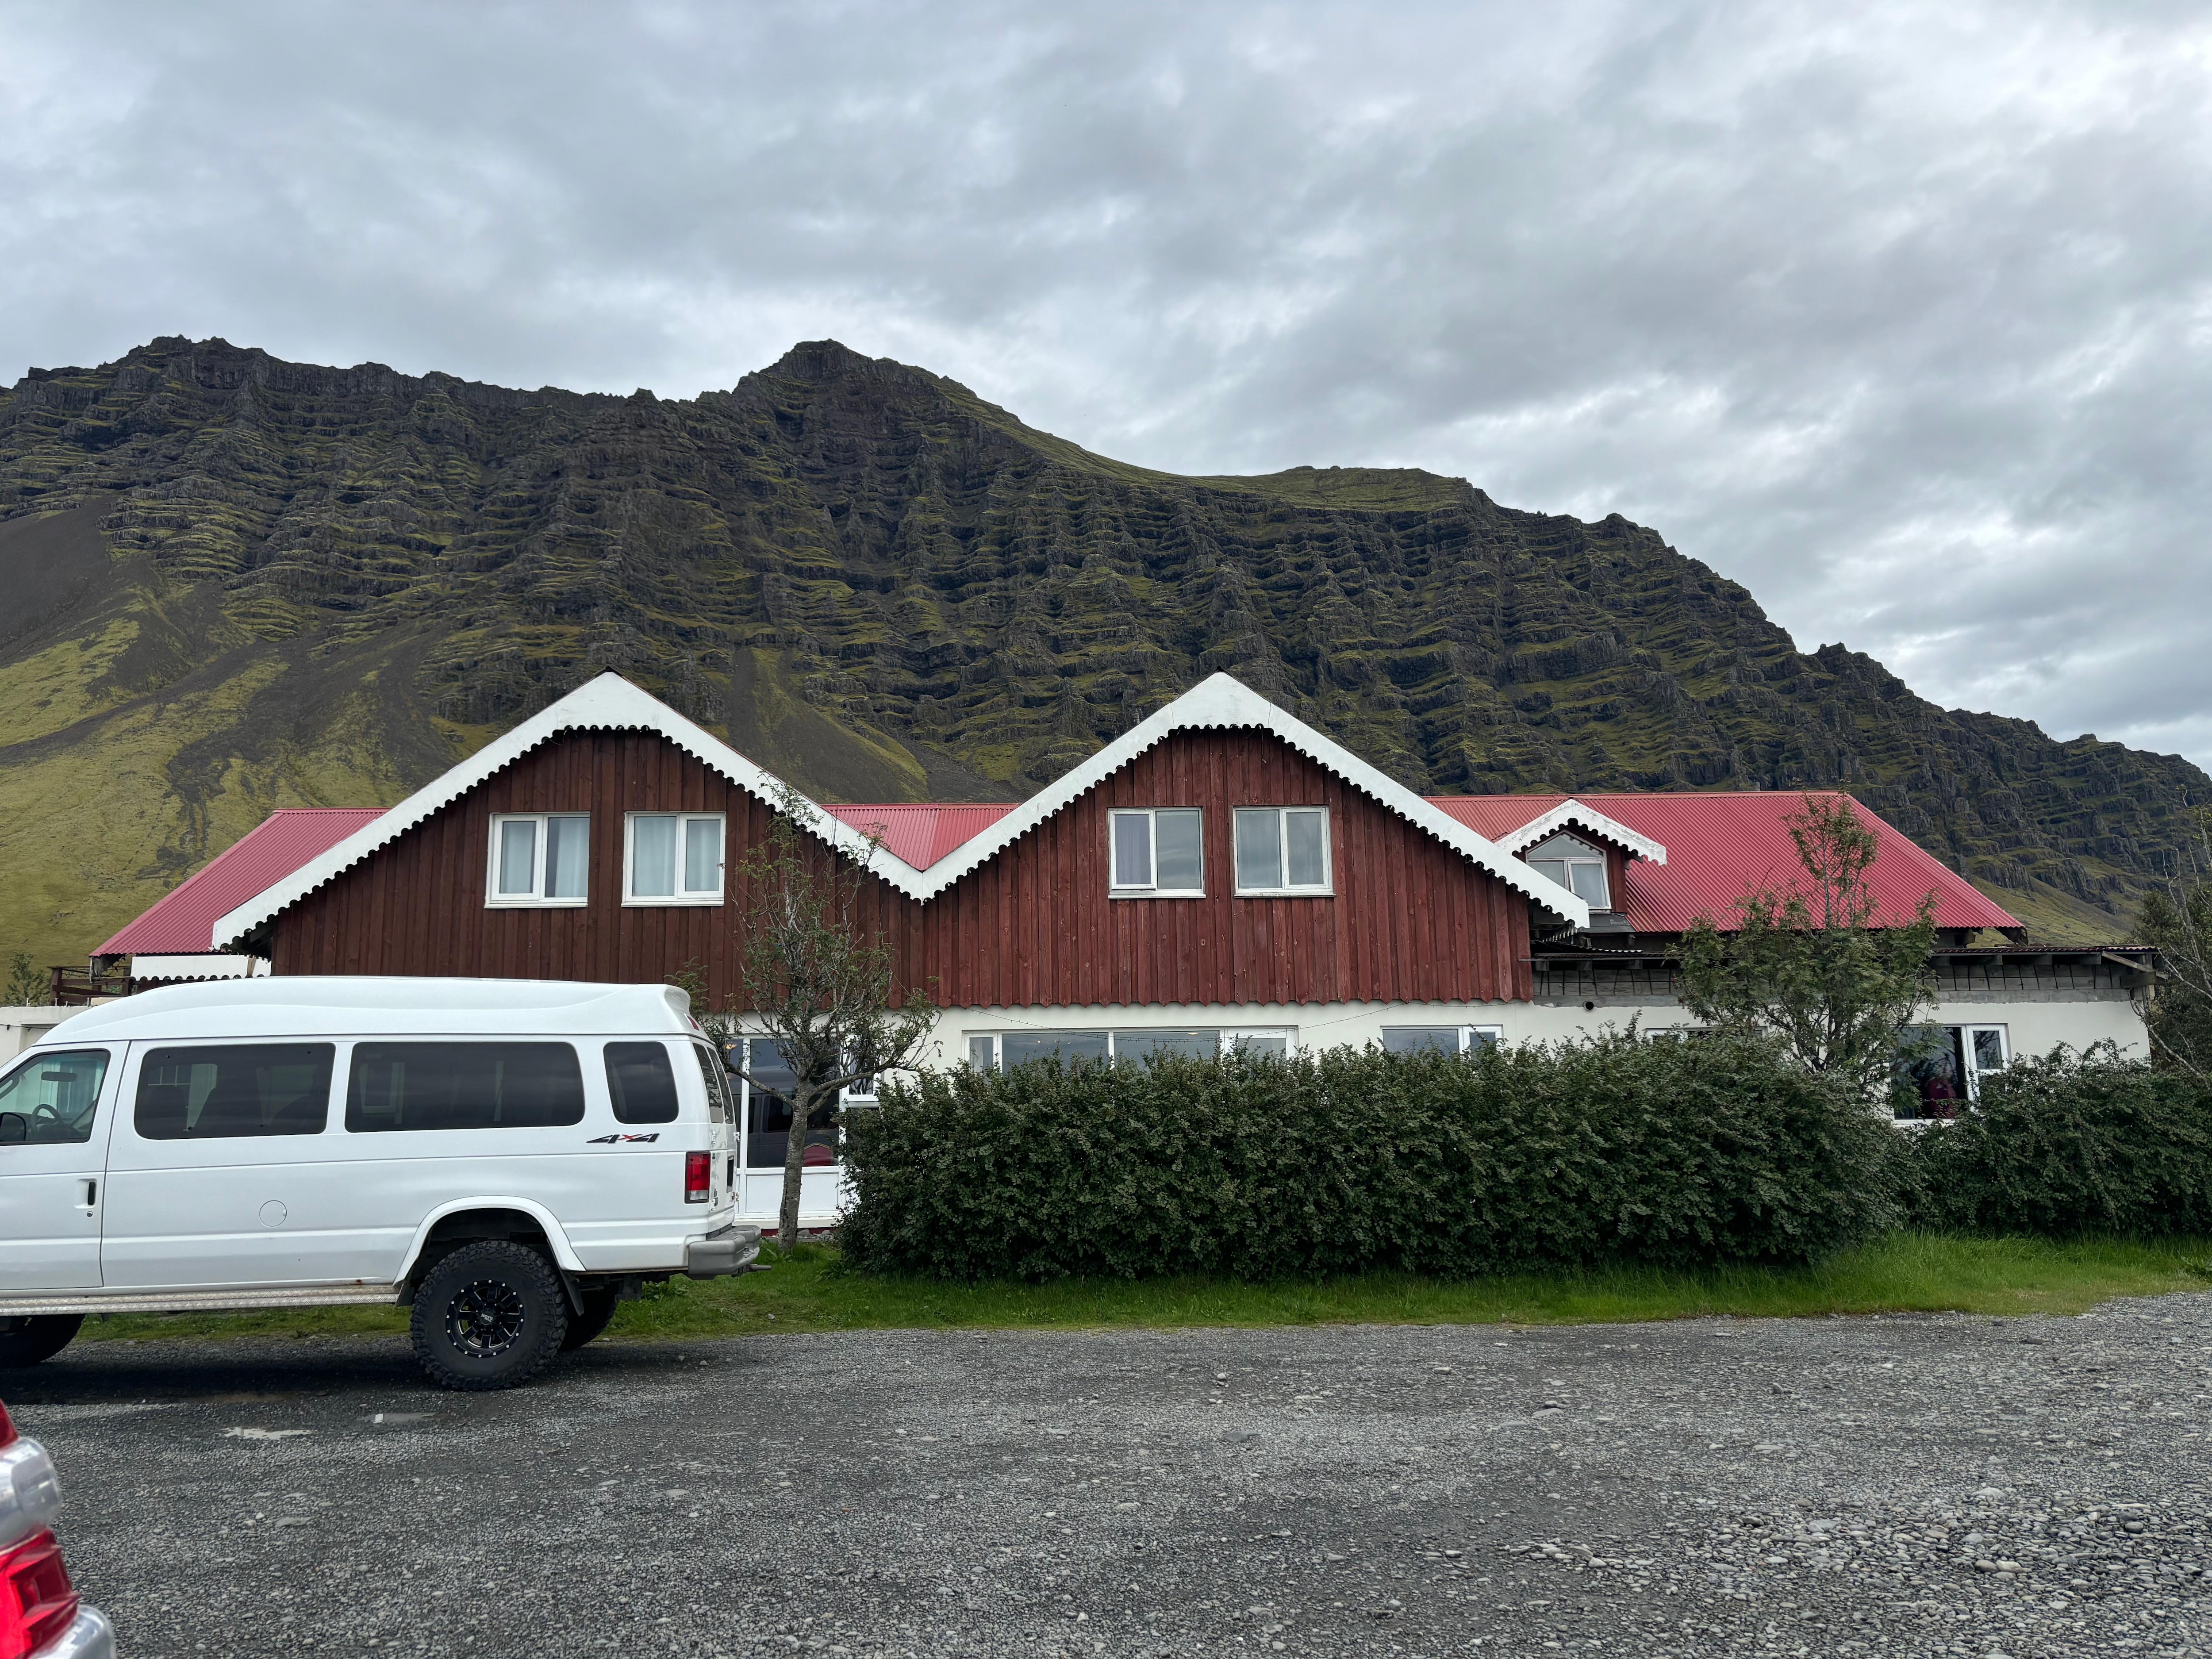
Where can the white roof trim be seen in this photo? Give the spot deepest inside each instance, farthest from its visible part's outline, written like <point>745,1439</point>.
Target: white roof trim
<point>205,966</point>
<point>1574,812</point>
<point>612,703</point>
<point>1222,701</point>
<point>607,703</point>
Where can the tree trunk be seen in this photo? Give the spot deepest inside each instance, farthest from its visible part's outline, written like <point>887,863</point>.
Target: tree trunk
<point>794,1152</point>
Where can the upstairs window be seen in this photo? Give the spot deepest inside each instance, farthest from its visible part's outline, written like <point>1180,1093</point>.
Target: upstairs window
<point>539,858</point>
<point>1575,865</point>
<point>1282,849</point>
<point>673,858</point>
<point>1159,852</point>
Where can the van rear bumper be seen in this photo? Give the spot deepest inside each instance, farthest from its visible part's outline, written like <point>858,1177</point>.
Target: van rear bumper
<point>728,1249</point>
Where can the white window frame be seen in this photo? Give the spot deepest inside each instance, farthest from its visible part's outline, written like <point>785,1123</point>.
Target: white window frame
<point>1115,889</point>
<point>1230,1036</point>
<point>1326,888</point>
<point>1225,1036</point>
<point>1974,1072</point>
<point>1468,1035</point>
<point>681,896</point>
<point>1584,854</point>
<point>535,899</point>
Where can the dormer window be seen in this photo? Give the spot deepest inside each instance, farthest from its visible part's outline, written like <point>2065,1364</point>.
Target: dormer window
<point>1575,865</point>
<point>1159,852</point>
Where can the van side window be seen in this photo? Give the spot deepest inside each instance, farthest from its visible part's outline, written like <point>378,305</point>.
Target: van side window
<point>50,1099</point>
<point>242,1089</point>
<point>643,1082</point>
<point>721,1106</point>
<point>464,1085</point>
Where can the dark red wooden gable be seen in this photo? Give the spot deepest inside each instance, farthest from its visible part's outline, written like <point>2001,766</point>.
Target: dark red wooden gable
<point>1410,920</point>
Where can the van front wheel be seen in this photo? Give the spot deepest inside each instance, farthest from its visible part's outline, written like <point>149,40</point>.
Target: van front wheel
<point>39,1337</point>
<point>489,1315</point>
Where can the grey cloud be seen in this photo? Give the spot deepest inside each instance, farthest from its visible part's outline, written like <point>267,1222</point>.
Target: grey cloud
<point>1898,314</point>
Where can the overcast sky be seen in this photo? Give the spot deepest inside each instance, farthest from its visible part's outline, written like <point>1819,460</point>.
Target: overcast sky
<point>1901,315</point>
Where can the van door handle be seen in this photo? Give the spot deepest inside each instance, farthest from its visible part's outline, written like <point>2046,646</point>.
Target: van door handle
<point>91,1193</point>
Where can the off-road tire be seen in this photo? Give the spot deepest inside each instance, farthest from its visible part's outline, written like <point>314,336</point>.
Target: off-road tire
<point>600,1303</point>
<point>489,1315</point>
<point>28,1340</point>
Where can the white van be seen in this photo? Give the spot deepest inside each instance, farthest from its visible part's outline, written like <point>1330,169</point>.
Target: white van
<point>507,1157</point>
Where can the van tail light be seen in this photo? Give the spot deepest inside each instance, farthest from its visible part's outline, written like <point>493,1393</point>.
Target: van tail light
<point>7,1428</point>
<point>37,1602</point>
<point>698,1176</point>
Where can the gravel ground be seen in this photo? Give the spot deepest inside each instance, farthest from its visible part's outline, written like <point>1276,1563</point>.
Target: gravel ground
<point>1896,1486</point>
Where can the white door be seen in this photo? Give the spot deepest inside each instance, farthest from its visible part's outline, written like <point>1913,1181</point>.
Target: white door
<point>226,1170</point>
<point>767,1140</point>
<point>55,1113</point>
<point>666,1095</point>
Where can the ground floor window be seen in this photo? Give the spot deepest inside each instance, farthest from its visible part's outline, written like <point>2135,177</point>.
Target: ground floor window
<point>992,1050</point>
<point>1448,1039</point>
<point>764,1094</point>
<point>1940,1067</point>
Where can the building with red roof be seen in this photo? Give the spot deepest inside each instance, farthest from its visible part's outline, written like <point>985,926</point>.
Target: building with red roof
<point>1221,874</point>
<point>1719,847</point>
<point>175,939</point>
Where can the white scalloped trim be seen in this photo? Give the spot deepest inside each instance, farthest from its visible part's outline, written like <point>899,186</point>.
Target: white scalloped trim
<point>612,703</point>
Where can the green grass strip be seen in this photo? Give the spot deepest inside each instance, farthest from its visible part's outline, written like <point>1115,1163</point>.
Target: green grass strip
<point>1905,1273</point>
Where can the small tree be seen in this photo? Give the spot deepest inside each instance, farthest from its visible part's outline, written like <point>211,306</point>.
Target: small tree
<point>1809,964</point>
<point>26,987</point>
<point>2178,918</point>
<point>818,978</point>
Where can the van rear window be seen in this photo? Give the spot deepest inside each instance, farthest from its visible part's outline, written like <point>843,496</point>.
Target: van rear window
<point>235,1090</point>
<point>464,1085</point>
<point>643,1082</point>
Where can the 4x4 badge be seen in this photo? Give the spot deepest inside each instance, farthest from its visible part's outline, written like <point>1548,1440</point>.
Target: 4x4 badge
<point>610,1140</point>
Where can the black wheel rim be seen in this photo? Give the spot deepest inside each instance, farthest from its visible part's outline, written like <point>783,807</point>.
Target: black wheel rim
<point>485,1319</point>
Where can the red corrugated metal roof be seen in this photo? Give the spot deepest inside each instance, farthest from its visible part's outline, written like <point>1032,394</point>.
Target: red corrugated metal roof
<point>1492,817</point>
<point>1721,847</point>
<point>922,834</point>
<point>183,924</point>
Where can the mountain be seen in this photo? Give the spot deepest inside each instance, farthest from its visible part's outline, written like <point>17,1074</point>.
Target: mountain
<point>237,583</point>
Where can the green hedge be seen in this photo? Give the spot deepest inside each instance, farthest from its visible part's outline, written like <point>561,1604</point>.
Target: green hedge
<point>1608,1150</point>
<point>2072,1143</point>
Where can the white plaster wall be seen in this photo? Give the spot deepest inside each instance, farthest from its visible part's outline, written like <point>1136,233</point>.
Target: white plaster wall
<point>2031,1028</point>
<point>21,1027</point>
<point>2038,1027</point>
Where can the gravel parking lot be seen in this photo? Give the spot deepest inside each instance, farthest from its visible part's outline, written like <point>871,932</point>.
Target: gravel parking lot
<point>1897,1485</point>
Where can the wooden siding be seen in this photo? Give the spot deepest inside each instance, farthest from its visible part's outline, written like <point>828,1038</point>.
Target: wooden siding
<point>1410,920</point>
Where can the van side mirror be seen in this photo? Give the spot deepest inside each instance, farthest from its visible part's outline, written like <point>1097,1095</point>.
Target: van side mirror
<point>14,1127</point>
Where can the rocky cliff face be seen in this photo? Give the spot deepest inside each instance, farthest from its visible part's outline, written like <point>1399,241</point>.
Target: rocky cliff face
<point>242,583</point>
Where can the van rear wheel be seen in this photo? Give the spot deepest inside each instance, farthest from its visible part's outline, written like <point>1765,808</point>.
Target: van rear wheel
<point>600,1303</point>
<point>489,1315</point>
<point>28,1340</point>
